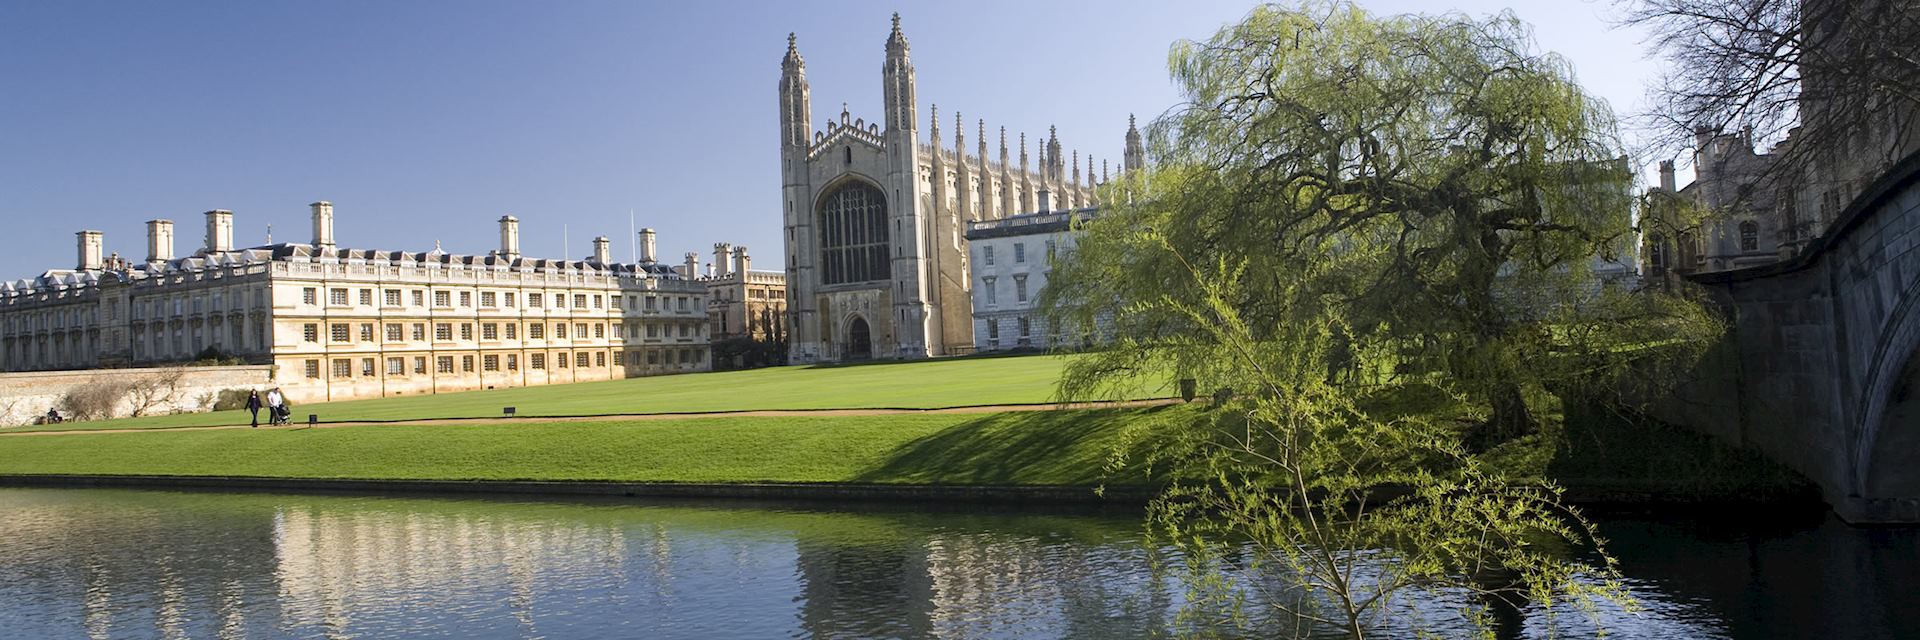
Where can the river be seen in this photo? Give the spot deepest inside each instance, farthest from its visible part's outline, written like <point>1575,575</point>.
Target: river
<point>101,563</point>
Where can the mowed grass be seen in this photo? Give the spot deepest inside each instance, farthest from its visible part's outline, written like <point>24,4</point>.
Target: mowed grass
<point>1067,447</point>
<point>921,384</point>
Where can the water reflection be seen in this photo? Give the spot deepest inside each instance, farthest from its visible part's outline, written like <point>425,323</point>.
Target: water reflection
<point>133,564</point>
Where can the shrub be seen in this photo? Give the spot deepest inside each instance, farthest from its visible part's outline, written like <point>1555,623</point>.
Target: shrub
<point>94,400</point>
<point>230,399</point>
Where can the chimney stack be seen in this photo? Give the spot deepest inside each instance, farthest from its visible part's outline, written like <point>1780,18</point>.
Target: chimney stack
<point>693,265</point>
<point>646,246</point>
<point>219,231</point>
<point>509,238</point>
<point>322,224</point>
<point>741,263</point>
<point>1667,182</point>
<point>601,255</point>
<point>91,243</point>
<point>159,240</point>
<point>722,259</point>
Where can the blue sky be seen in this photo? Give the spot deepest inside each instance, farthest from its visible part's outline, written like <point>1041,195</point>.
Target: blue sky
<point>425,121</point>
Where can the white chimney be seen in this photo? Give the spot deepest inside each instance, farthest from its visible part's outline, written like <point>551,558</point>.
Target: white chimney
<point>601,255</point>
<point>159,240</point>
<point>693,265</point>
<point>322,224</point>
<point>219,231</point>
<point>509,237</point>
<point>90,250</point>
<point>722,259</point>
<point>646,246</point>
<point>741,263</point>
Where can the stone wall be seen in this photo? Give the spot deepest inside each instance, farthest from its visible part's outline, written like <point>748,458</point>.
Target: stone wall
<point>24,396</point>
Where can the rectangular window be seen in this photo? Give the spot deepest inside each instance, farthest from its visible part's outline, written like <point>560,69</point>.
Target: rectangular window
<point>619,358</point>
<point>342,368</point>
<point>559,330</point>
<point>600,359</point>
<point>420,365</point>
<point>987,255</point>
<point>1051,250</point>
<point>366,297</point>
<point>536,331</point>
<point>653,331</point>
<point>341,332</point>
<point>419,331</point>
<point>599,331</point>
<point>313,369</point>
<point>396,366</point>
<point>311,332</point>
<point>598,302</point>
<point>419,299</point>
<point>466,298</point>
<point>466,364</point>
<point>993,332</point>
<point>579,301</point>
<point>310,296</point>
<point>392,297</point>
<point>337,297</point>
<point>442,299</point>
<point>396,332</point>
<point>537,361</point>
<point>1020,287</point>
<point>650,303</point>
<point>533,300</point>
<point>653,357</point>
<point>561,360</point>
<point>443,364</point>
<point>489,363</point>
<point>443,332</point>
<point>366,367</point>
<point>466,331</point>
<point>487,299</point>
<point>581,359</point>
<point>509,296</point>
<point>1025,327</point>
<point>1019,252</point>
<point>489,331</point>
<point>513,331</point>
<point>513,362</point>
<point>366,332</point>
<point>986,284</point>
<point>580,331</point>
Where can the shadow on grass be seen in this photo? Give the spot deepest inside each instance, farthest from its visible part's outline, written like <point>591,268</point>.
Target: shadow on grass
<point>1070,447</point>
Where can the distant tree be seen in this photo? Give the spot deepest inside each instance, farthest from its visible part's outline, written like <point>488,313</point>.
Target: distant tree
<point>1839,69</point>
<point>153,390</point>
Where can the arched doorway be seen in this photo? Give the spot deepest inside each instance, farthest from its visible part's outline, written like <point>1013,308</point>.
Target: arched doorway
<point>859,339</point>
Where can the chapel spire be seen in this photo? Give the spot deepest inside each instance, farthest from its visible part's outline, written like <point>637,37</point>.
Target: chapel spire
<point>1135,157</point>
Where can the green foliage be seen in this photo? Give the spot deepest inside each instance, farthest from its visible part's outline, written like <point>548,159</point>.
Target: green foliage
<point>1377,238</point>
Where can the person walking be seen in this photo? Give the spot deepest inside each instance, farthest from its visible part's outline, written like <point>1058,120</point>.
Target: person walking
<point>274,403</point>
<point>253,407</point>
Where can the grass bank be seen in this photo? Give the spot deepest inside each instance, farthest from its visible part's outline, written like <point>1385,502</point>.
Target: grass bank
<point>921,384</point>
<point>1030,448</point>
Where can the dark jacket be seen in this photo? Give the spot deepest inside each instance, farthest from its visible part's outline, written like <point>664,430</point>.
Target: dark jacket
<point>253,402</point>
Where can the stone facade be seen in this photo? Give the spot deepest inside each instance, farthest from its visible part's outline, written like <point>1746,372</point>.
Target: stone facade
<point>1012,257</point>
<point>350,323</point>
<point>743,303</point>
<point>875,218</point>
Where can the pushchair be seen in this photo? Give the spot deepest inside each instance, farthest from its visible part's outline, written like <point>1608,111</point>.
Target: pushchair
<point>281,415</point>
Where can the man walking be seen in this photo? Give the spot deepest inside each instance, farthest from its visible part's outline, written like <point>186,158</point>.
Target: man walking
<point>253,406</point>
<point>274,402</point>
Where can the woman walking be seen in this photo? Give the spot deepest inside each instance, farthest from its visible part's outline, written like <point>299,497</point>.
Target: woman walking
<point>253,406</point>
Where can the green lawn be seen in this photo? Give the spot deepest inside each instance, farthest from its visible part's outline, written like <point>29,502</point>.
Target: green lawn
<point>909,385</point>
<point>1024,448</point>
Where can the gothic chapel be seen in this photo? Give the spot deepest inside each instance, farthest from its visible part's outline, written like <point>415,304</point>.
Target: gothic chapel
<point>876,218</point>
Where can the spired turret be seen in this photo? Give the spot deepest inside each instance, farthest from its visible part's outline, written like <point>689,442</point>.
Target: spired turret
<point>1135,157</point>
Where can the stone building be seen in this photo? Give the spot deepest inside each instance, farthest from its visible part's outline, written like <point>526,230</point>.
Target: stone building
<point>342,323</point>
<point>1012,257</point>
<point>743,303</point>
<point>875,217</point>
<point>1747,227</point>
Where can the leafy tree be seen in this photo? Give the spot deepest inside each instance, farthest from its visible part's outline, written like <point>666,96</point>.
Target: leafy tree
<point>1377,237</point>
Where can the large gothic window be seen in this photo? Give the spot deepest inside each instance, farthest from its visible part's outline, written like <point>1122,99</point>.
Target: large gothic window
<point>853,234</point>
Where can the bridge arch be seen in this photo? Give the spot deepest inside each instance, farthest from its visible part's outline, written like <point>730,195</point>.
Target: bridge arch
<point>1888,438</point>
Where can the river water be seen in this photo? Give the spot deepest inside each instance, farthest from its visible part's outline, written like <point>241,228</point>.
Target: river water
<point>98,563</point>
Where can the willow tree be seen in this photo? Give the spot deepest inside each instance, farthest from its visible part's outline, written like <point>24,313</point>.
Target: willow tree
<point>1377,238</point>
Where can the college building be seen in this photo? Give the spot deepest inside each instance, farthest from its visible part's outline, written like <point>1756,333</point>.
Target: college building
<point>341,323</point>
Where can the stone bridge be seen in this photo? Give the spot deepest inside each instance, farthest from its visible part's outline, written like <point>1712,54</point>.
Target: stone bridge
<point>1820,369</point>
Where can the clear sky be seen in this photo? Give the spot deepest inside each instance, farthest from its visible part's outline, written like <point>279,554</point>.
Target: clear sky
<point>427,120</point>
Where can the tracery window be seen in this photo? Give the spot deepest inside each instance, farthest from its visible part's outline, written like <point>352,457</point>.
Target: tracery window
<point>1749,236</point>
<point>853,234</point>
